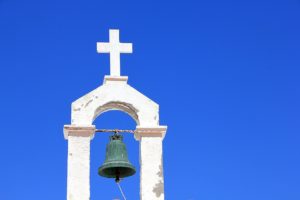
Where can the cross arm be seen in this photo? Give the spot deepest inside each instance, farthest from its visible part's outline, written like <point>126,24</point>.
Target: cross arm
<point>125,47</point>
<point>103,47</point>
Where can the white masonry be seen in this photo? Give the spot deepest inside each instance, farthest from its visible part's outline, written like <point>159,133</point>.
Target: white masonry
<point>115,94</point>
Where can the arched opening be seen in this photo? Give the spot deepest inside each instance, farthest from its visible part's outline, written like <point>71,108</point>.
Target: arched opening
<point>104,188</point>
<point>125,107</point>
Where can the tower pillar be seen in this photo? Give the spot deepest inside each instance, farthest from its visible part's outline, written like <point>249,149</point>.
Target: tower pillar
<point>78,183</point>
<point>151,162</point>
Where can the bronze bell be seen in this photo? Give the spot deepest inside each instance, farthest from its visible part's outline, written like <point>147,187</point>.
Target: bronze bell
<point>116,164</point>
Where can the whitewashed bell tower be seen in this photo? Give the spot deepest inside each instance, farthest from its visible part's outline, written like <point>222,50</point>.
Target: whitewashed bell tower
<point>115,94</point>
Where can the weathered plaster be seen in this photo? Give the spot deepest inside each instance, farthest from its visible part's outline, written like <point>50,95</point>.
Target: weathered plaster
<point>151,184</point>
<point>151,161</point>
<point>115,95</point>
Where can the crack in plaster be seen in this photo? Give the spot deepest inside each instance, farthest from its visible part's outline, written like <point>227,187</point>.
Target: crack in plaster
<point>76,109</point>
<point>88,103</point>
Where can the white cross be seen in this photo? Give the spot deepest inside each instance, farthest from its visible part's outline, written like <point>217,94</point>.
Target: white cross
<point>114,48</point>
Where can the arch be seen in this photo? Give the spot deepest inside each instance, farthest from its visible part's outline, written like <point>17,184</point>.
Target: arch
<point>121,106</point>
<point>115,95</point>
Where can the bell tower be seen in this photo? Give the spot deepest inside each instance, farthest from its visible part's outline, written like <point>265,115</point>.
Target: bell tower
<point>115,94</point>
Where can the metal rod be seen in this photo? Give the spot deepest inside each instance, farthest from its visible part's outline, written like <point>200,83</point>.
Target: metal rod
<point>114,131</point>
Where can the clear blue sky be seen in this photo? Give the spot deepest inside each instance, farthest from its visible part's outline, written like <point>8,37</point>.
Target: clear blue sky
<point>225,73</point>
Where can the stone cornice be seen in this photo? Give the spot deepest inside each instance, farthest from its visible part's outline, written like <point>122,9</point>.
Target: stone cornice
<point>80,131</point>
<point>159,131</point>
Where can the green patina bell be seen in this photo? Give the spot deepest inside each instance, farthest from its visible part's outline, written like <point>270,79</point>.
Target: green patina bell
<point>116,164</point>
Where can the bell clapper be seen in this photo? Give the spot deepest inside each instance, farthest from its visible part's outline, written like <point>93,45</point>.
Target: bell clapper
<point>117,179</point>
<point>117,176</point>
